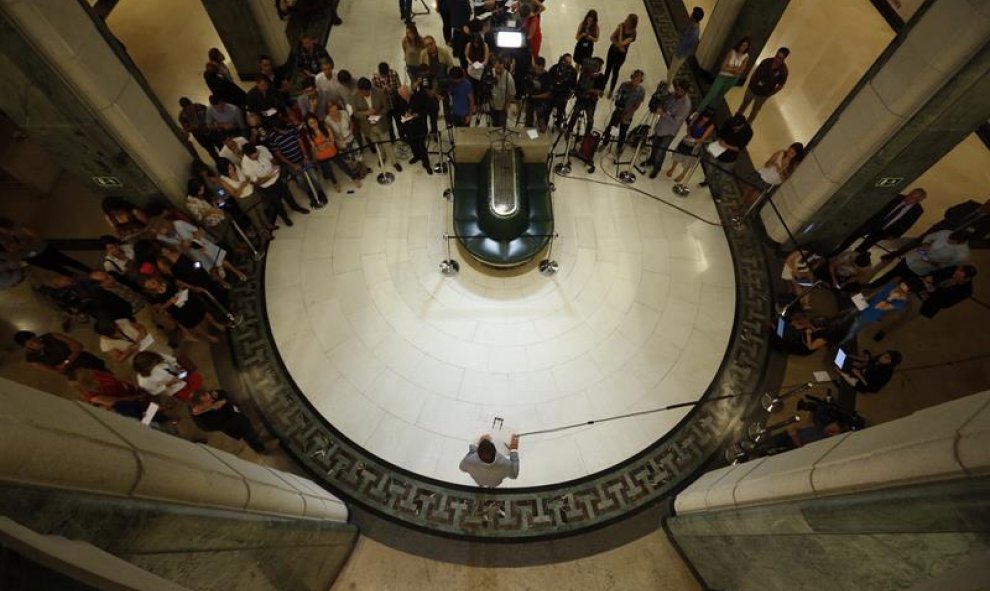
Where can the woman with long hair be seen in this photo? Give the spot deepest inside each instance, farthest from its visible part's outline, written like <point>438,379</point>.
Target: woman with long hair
<point>587,35</point>
<point>775,171</point>
<point>732,68</point>
<point>621,39</point>
<point>412,47</point>
<point>698,131</point>
<point>325,151</point>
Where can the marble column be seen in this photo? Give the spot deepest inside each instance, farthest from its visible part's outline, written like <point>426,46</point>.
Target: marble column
<point>717,29</point>
<point>245,36</point>
<point>69,89</point>
<point>925,94</point>
<point>272,29</point>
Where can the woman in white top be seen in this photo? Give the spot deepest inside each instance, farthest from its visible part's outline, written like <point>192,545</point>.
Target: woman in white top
<point>240,188</point>
<point>733,66</point>
<point>775,171</point>
<point>339,123</point>
<point>123,339</point>
<point>159,374</point>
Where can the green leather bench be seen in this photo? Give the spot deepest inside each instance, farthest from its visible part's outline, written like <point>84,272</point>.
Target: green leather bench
<point>503,215</point>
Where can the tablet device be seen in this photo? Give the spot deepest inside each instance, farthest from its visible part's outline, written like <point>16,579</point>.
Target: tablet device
<point>840,358</point>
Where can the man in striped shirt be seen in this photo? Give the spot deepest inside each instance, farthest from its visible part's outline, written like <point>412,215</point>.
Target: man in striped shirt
<point>290,151</point>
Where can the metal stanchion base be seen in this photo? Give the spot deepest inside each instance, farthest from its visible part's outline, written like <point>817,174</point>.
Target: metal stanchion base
<point>440,168</point>
<point>627,176</point>
<point>737,220</point>
<point>769,402</point>
<point>562,168</point>
<point>681,189</point>
<point>448,194</point>
<point>449,267</point>
<point>386,178</point>
<point>258,256</point>
<point>549,267</point>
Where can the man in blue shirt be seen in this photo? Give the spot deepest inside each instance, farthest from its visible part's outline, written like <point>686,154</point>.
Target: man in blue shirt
<point>686,43</point>
<point>461,98</point>
<point>893,297</point>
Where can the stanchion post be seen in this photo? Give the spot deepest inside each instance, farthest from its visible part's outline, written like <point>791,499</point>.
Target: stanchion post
<point>384,177</point>
<point>258,255</point>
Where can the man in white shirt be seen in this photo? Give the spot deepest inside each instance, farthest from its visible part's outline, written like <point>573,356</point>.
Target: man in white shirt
<point>327,83</point>
<point>233,149</point>
<point>259,166</point>
<point>487,466</point>
<point>938,250</point>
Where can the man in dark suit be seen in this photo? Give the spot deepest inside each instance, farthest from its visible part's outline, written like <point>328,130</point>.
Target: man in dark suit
<point>971,216</point>
<point>893,220</point>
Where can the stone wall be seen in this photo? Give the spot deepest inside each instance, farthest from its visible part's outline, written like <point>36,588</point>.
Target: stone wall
<point>191,514</point>
<point>884,508</point>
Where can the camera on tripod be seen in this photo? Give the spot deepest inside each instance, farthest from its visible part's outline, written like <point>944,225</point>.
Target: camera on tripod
<point>825,411</point>
<point>658,96</point>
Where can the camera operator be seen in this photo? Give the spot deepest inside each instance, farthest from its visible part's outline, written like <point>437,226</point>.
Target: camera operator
<point>461,104</point>
<point>590,88</point>
<point>539,96</point>
<point>503,92</point>
<point>627,101</point>
<point>563,78</point>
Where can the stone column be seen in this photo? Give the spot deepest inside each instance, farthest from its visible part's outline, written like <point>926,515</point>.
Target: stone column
<point>68,88</point>
<point>247,32</point>
<point>717,28</point>
<point>731,21</point>
<point>927,93</point>
<point>273,29</point>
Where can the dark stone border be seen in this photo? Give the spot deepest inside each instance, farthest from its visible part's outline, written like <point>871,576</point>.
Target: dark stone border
<point>532,513</point>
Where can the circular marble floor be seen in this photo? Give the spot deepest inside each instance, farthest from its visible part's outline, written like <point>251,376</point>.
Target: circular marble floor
<point>412,365</point>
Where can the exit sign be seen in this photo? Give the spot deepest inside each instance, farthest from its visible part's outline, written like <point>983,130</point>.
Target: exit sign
<point>890,181</point>
<point>107,181</point>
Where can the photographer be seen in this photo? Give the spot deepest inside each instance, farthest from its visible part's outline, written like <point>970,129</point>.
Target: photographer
<point>413,121</point>
<point>426,82</point>
<point>539,96</point>
<point>563,78</point>
<point>590,88</point>
<point>627,102</point>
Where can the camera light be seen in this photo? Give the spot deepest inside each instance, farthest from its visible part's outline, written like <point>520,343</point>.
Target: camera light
<point>509,39</point>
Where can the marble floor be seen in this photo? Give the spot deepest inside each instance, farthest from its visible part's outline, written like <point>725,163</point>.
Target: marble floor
<point>413,365</point>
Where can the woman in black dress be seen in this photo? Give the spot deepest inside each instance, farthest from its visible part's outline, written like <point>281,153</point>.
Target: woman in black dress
<point>185,306</point>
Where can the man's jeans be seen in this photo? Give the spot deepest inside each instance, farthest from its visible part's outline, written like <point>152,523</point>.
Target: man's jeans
<point>311,183</point>
<point>660,145</point>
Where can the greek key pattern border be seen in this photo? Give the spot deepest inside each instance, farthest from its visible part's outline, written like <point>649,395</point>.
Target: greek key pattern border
<point>526,513</point>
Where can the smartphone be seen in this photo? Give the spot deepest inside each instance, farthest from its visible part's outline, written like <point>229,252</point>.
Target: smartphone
<point>183,374</point>
<point>781,326</point>
<point>840,358</point>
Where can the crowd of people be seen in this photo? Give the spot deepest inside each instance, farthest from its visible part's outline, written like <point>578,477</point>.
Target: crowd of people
<point>307,122</point>
<point>881,282</point>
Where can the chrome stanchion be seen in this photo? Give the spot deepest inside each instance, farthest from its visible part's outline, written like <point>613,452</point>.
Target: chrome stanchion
<point>449,267</point>
<point>233,320</point>
<point>255,253</point>
<point>772,403</point>
<point>313,191</point>
<point>628,176</point>
<point>384,177</point>
<point>683,189</point>
<point>549,265</point>
<point>752,209</point>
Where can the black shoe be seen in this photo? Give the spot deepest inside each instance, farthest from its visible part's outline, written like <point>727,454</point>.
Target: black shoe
<point>654,173</point>
<point>398,167</point>
<point>301,210</point>
<point>879,336</point>
<point>703,184</point>
<point>289,223</point>
<point>414,160</point>
<point>429,170</point>
<point>336,20</point>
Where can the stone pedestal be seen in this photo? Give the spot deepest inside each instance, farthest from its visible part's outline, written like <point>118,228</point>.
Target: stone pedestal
<point>244,35</point>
